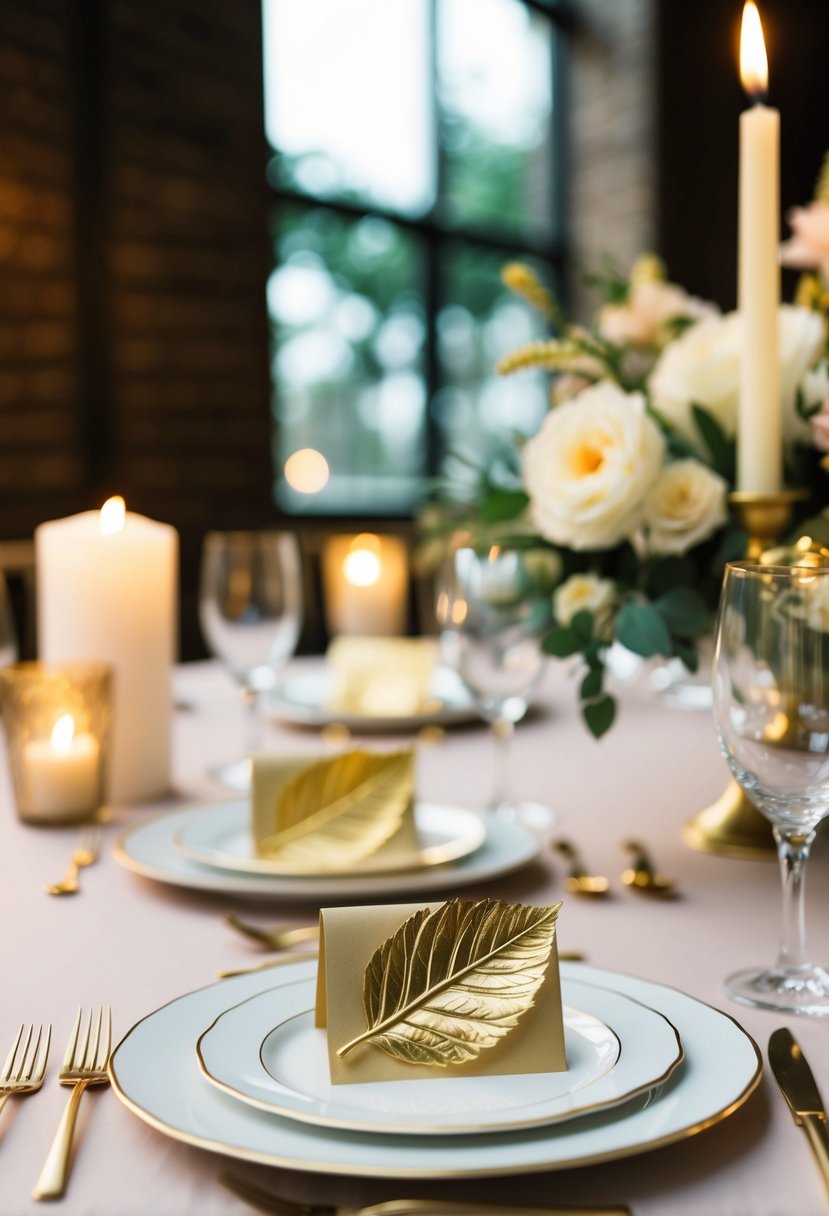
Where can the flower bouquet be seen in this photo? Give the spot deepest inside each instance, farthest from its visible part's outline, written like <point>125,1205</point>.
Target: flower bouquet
<point>626,483</point>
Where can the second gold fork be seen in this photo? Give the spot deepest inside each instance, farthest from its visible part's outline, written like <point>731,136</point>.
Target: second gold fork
<point>86,853</point>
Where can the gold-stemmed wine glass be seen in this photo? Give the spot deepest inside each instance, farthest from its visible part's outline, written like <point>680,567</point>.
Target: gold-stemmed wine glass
<point>771,709</point>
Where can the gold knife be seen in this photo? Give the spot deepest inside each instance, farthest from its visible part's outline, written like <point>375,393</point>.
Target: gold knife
<point>794,1076</point>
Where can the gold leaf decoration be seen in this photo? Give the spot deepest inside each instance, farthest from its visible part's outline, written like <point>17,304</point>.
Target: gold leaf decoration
<point>451,983</point>
<point>337,812</point>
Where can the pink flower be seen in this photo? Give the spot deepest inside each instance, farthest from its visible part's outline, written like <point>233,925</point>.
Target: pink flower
<point>819,423</point>
<point>808,248</point>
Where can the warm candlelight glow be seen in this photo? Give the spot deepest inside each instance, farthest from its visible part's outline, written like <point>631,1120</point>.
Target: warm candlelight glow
<point>113,516</point>
<point>362,566</point>
<point>306,471</point>
<point>754,64</point>
<point>63,732</point>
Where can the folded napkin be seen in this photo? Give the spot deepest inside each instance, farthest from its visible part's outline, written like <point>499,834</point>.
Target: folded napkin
<point>324,813</point>
<point>380,677</point>
<point>465,988</point>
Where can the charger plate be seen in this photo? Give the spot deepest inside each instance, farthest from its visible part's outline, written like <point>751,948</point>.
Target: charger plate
<point>155,1073</point>
<point>220,837</point>
<point>148,849</point>
<point>302,700</point>
<point>284,1068</point>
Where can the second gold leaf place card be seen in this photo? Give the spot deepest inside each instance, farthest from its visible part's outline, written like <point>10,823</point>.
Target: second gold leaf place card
<point>463,988</point>
<point>335,812</point>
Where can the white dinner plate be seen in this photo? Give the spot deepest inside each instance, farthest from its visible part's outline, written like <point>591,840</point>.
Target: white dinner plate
<point>220,837</point>
<point>283,1068</point>
<point>148,849</point>
<point>302,700</point>
<point>156,1074</point>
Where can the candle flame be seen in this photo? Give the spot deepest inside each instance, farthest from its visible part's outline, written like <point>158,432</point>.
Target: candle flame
<point>112,516</point>
<point>754,64</point>
<point>362,566</point>
<point>63,732</point>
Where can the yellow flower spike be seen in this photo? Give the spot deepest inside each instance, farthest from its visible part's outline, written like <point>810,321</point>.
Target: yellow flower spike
<point>523,280</point>
<point>551,355</point>
<point>648,268</point>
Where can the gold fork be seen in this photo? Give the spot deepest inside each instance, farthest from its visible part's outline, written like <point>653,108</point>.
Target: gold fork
<point>85,1063</point>
<point>85,854</point>
<point>25,1065</point>
<point>274,939</point>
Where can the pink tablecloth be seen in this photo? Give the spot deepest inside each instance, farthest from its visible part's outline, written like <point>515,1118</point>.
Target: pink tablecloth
<point>138,944</point>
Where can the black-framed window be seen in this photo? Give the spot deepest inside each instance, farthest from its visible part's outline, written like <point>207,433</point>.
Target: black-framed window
<point>415,146</point>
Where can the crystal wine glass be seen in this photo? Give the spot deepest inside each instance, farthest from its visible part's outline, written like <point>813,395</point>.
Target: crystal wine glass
<point>771,709</point>
<point>250,607</point>
<point>494,607</point>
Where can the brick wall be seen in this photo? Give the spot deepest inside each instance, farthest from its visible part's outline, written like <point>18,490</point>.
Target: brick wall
<point>133,225</point>
<point>612,173</point>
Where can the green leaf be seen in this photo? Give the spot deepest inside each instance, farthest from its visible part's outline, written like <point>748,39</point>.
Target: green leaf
<point>561,643</point>
<point>669,572</point>
<point>591,685</point>
<point>582,624</point>
<point>684,611</point>
<point>643,630</point>
<point>599,715</point>
<point>503,504</point>
<point>723,450</point>
<point>688,655</point>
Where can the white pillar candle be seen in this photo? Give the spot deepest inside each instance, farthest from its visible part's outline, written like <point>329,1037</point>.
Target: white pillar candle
<point>759,430</point>
<point>60,776</point>
<point>107,590</point>
<point>366,584</point>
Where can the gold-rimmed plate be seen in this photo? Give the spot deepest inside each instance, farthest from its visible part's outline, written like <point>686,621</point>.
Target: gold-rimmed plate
<point>155,1073</point>
<point>220,837</point>
<point>147,849</point>
<point>283,1068</point>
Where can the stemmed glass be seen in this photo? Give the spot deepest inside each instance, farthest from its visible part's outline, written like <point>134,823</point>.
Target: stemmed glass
<point>493,608</point>
<point>771,709</point>
<point>250,607</point>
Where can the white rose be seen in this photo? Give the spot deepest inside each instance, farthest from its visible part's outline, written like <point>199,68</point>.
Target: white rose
<point>584,592</point>
<point>686,505</point>
<point>588,469</point>
<point>646,315</point>
<point>702,367</point>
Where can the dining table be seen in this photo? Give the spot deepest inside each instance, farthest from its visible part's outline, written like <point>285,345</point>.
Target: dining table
<point>137,943</point>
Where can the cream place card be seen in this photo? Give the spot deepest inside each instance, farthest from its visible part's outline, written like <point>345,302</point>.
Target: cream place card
<point>360,671</point>
<point>331,813</point>
<point>464,988</point>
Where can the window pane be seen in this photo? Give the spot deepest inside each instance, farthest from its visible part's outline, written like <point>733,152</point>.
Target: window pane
<point>347,100</point>
<point>346,306</point>
<point>495,89</point>
<point>478,411</point>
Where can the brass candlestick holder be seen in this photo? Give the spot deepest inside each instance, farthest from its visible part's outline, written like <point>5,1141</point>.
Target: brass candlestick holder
<point>732,826</point>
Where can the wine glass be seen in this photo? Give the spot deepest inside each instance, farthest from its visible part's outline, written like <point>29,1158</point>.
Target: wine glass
<point>771,709</point>
<point>494,605</point>
<point>250,607</point>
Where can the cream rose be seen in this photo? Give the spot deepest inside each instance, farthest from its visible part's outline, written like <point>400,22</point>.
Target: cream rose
<point>686,505</point>
<point>588,469</point>
<point>646,315</point>
<point>585,593</point>
<point>702,367</point>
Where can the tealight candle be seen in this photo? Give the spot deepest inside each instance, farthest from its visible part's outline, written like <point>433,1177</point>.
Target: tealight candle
<point>57,722</point>
<point>61,774</point>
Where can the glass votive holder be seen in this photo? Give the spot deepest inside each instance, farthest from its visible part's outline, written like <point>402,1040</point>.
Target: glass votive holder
<point>57,720</point>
